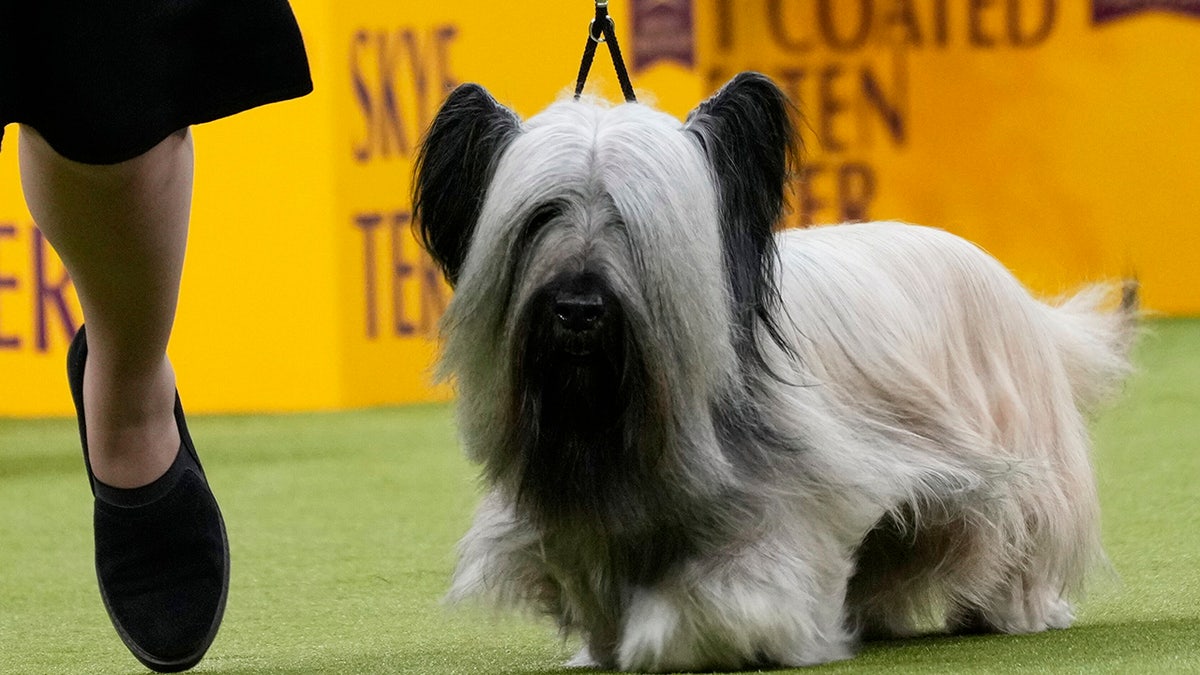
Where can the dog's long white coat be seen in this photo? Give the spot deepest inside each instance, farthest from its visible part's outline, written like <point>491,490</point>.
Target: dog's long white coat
<point>926,375</point>
<point>934,396</point>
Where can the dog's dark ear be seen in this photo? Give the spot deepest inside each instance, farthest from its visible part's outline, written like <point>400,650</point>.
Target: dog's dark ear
<point>453,171</point>
<point>746,129</point>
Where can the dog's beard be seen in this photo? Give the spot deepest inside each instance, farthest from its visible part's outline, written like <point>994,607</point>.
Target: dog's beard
<point>583,440</point>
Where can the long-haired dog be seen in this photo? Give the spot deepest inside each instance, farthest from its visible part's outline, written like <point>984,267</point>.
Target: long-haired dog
<point>710,445</point>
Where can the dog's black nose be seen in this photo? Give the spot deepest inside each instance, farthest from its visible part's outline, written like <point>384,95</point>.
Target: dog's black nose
<point>580,312</point>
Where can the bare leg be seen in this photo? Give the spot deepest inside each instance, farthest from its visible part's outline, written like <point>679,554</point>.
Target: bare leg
<point>121,231</point>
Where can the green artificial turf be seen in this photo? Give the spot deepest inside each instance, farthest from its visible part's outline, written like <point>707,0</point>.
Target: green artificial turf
<point>343,528</point>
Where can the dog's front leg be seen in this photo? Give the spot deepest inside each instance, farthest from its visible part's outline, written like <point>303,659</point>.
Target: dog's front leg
<point>762,606</point>
<point>500,561</point>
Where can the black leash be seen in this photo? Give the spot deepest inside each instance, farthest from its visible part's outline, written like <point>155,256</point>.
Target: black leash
<point>602,29</point>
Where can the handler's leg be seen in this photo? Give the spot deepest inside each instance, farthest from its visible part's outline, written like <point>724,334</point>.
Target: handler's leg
<point>120,230</point>
<point>162,557</point>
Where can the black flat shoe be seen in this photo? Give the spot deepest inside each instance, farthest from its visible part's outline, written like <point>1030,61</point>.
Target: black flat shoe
<point>162,557</point>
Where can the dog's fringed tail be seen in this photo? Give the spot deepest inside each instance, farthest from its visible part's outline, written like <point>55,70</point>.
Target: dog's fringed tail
<point>1095,339</point>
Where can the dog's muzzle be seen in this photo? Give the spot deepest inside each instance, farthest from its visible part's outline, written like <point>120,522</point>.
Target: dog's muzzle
<point>581,316</point>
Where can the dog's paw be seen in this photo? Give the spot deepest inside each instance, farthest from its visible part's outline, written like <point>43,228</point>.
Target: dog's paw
<point>583,659</point>
<point>1059,614</point>
<point>676,633</point>
<point>1018,617</point>
<point>656,639</point>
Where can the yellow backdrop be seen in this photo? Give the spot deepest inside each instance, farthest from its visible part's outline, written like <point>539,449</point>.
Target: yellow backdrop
<point>1060,136</point>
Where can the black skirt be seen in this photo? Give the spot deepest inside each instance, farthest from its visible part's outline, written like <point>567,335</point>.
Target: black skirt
<point>106,80</point>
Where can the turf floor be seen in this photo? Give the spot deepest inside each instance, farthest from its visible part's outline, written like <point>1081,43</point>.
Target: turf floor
<point>343,527</point>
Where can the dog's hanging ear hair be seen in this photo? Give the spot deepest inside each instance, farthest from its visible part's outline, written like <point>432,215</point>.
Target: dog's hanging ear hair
<point>747,131</point>
<point>453,170</point>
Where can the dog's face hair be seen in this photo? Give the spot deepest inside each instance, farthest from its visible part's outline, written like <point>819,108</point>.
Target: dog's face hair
<point>745,130</point>
<point>596,245</point>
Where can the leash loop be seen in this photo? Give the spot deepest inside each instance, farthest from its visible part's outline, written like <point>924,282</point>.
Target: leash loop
<point>608,35</point>
<point>598,38</point>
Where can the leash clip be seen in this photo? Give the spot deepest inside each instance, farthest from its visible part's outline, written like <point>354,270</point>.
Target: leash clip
<point>607,34</point>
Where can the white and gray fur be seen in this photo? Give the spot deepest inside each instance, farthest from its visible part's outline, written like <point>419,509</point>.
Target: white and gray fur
<point>779,443</point>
